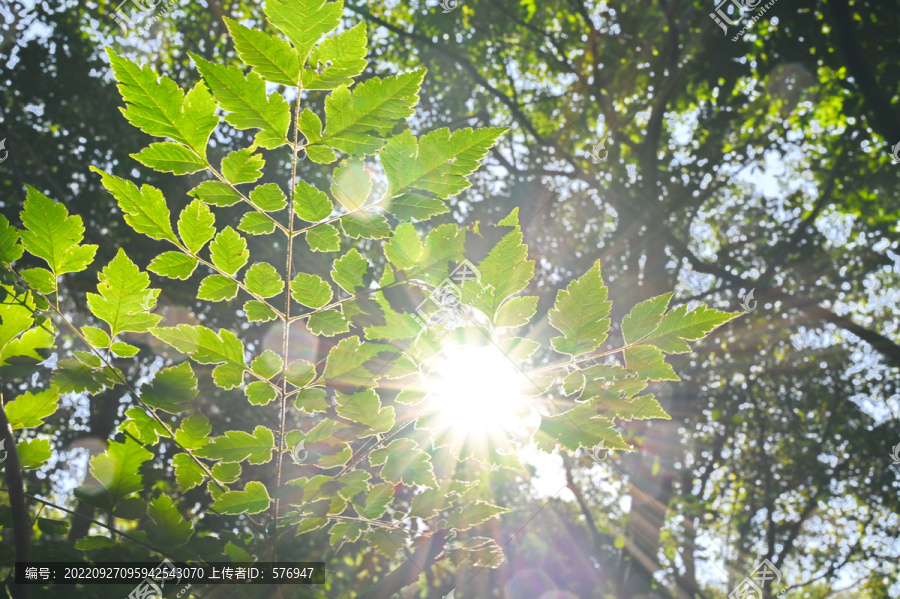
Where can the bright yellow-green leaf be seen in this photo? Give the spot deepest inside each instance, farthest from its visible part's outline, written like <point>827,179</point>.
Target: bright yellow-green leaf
<point>54,236</point>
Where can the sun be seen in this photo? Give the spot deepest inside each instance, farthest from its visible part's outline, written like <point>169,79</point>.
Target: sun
<point>474,391</point>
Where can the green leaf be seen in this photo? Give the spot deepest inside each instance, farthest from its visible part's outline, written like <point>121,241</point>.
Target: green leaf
<point>229,251</point>
<point>679,326</point>
<point>504,272</point>
<point>304,22</point>
<point>71,376</point>
<point>649,362</point>
<point>337,60</point>
<point>348,271</point>
<point>259,312</point>
<point>323,238</point>
<point>263,280</point>
<point>268,197</point>
<point>172,388</point>
<point>188,474</point>
<point>580,427</point>
<point>246,102</point>
<point>438,164</point>
<point>195,225</point>
<point>310,290</point>
<point>53,527</point>
<point>404,463</point>
<point>581,314</point>
<point>310,204</point>
<point>40,279</point>
<point>237,446</point>
<point>473,514</point>
<point>574,382</point>
<point>173,265</point>
<point>54,236</point>
<point>328,323</point>
<point>377,501</point>
<point>357,122</point>
<point>145,209</point>
<point>124,301</point>
<point>158,107</point>
<point>143,426</point>
<point>124,350</point>
<point>96,337</point>
<point>206,347</point>
<point>242,166</point>
<point>216,193</point>
<point>300,373</point>
<point>167,527</point>
<point>426,504</point>
<point>33,453</point>
<point>272,57</point>
<point>252,500</point>
<point>365,408</point>
<point>351,185</point>
<point>644,318</point>
<point>347,361</point>
<point>193,432</point>
<point>168,157</point>
<point>200,118</point>
<point>10,248</point>
<point>267,364</point>
<point>312,400</point>
<point>346,531</point>
<point>254,223</point>
<point>405,248</point>
<point>94,542</point>
<point>311,127</point>
<point>117,470</point>
<point>226,472</point>
<point>260,393</point>
<point>216,288</point>
<point>366,224</point>
<point>29,409</point>
<point>516,312</point>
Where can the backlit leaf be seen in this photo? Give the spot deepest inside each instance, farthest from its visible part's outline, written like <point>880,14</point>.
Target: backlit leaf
<point>252,500</point>
<point>581,314</point>
<point>54,236</point>
<point>404,463</point>
<point>263,280</point>
<point>310,290</point>
<point>229,251</point>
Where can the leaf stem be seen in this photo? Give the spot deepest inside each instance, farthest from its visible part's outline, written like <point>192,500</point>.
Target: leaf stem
<point>286,317</point>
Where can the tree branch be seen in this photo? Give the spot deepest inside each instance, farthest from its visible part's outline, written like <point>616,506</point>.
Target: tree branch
<point>408,572</point>
<point>21,523</point>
